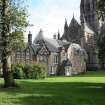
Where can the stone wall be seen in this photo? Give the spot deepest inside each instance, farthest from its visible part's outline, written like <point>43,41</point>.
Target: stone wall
<point>77,56</point>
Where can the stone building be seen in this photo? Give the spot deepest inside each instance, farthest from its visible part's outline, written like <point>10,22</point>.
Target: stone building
<point>86,33</point>
<point>26,55</point>
<point>90,24</point>
<point>53,52</point>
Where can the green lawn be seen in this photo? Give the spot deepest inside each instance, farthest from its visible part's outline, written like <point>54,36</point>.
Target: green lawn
<point>88,89</point>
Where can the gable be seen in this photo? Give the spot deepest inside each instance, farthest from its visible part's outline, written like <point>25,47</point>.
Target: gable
<point>44,51</point>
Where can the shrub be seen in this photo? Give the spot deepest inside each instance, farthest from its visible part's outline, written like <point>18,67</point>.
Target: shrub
<point>39,71</point>
<point>33,71</point>
<point>28,71</point>
<point>17,70</point>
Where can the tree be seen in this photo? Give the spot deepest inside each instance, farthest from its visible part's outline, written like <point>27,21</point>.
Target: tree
<point>101,45</point>
<point>101,38</point>
<point>101,9</point>
<point>13,19</point>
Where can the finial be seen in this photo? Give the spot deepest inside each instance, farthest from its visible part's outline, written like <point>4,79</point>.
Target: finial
<point>58,30</point>
<point>65,25</point>
<point>65,20</point>
<point>73,15</point>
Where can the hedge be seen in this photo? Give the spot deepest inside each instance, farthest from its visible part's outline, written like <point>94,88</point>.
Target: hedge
<point>33,71</point>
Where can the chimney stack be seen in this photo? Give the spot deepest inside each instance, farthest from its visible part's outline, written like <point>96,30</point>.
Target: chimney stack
<point>30,38</point>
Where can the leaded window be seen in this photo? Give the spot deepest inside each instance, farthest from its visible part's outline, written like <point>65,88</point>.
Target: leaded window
<point>27,54</point>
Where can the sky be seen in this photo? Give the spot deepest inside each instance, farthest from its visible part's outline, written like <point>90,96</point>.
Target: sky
<point>50,15</point>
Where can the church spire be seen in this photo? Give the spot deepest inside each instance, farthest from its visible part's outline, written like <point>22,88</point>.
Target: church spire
<point>73,22</point>
<point>73,15</point>
<point>66,25</point>
<point>89,14</point>
<point>58,35</point>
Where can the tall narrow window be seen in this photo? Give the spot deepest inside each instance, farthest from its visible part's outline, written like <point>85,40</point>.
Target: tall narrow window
<point>27,54</point>
<point>55,59</point>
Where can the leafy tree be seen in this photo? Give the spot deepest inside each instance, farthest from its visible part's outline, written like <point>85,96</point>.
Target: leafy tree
<point>101,9</point>
<point>101,39</point>
<point>13,20</point>
<point>101,45</point>
<point>17,40</point>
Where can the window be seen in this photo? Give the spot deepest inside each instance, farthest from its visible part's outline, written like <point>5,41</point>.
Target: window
<point>23,55</point>
<point>55,59</point>
<point>18,55</point>
<point>27,57</point>
<point>27,54</point>
<point>42,58</point>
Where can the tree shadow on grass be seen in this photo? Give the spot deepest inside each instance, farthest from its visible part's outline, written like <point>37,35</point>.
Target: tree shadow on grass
<point>58,93</point>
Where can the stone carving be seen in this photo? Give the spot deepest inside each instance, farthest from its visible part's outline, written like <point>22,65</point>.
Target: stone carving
<point>77,56</point>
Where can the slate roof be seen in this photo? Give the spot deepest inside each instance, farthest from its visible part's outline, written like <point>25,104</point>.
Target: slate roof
<point>74,23</point>
<point>35,48</point>
<point>73,34</point>
<point>39,36</point>
<point>53,45</point>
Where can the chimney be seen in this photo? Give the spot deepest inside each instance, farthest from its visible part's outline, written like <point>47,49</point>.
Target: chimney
<point>30,38</point>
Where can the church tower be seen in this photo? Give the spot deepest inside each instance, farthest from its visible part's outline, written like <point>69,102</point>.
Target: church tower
<point>90,26</point>
<point>72,33</point>
<point>88,14</point>
<point>66,27</point>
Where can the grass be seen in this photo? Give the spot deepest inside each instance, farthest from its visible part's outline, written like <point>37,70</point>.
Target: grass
<point>88,89</point>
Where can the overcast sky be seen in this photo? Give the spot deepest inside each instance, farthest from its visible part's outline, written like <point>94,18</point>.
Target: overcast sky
<point>49,15</point>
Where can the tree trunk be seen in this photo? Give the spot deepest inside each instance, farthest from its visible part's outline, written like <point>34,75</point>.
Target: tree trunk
<point>7,74</point>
